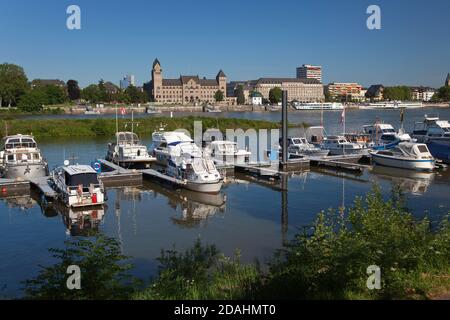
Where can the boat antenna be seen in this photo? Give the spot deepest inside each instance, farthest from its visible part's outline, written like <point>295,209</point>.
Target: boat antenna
<point>6,128</point>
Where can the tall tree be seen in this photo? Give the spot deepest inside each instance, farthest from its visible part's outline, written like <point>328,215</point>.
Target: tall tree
<point>91,93</point>
<point>134,95</point>
<point>13,84</point>
<point>33,100</point>
<point>218,96</point>
<point>239,93</point>
<point>275,95</point>
<point>397,93</point>
<point>73,90</point>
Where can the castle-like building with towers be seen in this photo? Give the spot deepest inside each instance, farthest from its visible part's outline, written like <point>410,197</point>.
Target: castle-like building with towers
<point>187,89</point>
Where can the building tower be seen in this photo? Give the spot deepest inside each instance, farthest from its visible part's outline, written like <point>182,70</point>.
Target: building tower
<point>222,81</point>
<point>447,81</point>
<point>156,80</point>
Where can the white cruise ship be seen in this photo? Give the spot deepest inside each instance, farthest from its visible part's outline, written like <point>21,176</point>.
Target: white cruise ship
<point>392,105</point>
<point>319,106</point>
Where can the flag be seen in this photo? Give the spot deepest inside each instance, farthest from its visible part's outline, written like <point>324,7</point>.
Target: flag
<point>343,115</point>
<point>122,111</point>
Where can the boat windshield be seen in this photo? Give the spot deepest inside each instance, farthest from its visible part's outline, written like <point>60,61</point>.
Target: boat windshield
<point>422,148</point>
<point>128,138</point>
<point>85,179</point>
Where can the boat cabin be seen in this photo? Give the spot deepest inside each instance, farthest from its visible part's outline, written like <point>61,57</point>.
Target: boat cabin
<point>19,142</point>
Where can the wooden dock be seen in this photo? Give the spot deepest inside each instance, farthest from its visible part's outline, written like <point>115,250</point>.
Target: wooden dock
<point>262,170</point>
<point>114,175</point>
<point>345,162</point>
<point>42,184</point>
<point>153,174</point>
<point>9,187</point>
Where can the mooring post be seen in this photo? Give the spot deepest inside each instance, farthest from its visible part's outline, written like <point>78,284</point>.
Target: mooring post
<point>284,131</point>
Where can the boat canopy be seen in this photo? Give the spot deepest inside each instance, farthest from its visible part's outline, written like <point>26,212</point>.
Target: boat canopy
<point>80,175</point>
<point>19,141</point>
<point>127,138</point>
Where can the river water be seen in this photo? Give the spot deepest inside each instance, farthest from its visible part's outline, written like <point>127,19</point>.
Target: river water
<point>252,216</point>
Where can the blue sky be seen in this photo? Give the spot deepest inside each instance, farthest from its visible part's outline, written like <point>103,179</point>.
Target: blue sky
<point>247,39</point>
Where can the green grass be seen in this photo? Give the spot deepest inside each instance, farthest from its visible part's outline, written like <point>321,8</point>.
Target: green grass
<point>107,127</point>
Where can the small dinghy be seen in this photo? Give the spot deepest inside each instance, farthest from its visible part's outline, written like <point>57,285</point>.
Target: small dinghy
<point>406,155</point>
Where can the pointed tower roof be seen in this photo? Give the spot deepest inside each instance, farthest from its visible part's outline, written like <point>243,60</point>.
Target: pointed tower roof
<point>221,74</point>
<point>156,62</point>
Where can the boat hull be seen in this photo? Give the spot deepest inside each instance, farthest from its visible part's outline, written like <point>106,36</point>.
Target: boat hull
<point>24,171</point>
<point>211,187</point>
<point>440,151</point>
<point>343,151</point>
<point>425,165</point>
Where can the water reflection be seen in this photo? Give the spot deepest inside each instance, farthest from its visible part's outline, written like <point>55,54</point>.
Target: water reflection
<point>415,182</point>
<point>21,202</point>
<point>192,209</point>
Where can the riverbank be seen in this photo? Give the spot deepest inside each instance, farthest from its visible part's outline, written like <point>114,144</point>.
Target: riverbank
<point>374,249</point>
<point>107,127</point>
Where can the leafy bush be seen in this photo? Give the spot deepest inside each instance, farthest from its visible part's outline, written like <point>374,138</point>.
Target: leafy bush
<point>104,275</point>
<point>202,272</point>
<point>332,262</point>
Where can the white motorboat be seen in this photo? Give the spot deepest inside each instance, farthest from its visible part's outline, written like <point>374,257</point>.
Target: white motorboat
<point>21,158</point>
<point>164,143</point>
<point>226,153</point>
<point>339,145</point>
<point>128,152</point>
<point>184,160</point>
<point>432,129</point>
<point>384,136</point>
<point>388,105</point>
<point>406,155</point>
<point>299,147</point>
<point>77,185</point>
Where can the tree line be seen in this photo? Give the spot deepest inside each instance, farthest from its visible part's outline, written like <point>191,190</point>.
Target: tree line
<point>17,91</point>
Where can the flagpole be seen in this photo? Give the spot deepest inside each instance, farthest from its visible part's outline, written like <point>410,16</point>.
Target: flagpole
<point>117,126</point>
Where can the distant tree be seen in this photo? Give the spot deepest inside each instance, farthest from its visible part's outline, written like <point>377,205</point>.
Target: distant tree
<point>275,95</point>
<point>135,95</point>
<point>13,84</point>
<point>218,96</point>
<point>91,93</point>
<point>73,90</point>
<point>54,94</point>
<point>443,94</point>
<point>103,94</point>
<point>33,100</point>
<point>397,93</point>
<point>239,93</point>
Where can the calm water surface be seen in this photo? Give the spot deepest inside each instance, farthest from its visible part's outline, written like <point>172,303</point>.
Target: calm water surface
<point>252,216</point>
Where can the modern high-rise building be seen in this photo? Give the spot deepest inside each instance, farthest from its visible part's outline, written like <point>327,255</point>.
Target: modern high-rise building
<point>127,81</point>
<point>307,71</point>
<point>447,81</point>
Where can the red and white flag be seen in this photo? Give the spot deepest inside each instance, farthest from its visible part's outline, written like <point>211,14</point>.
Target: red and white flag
<point>122,111</point>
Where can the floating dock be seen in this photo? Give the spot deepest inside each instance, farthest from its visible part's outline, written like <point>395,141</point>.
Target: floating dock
<point>344,162</point>
<point>9,187</point>
<point>153,174</point>
<point>114,175</point>
<point>42,184</point>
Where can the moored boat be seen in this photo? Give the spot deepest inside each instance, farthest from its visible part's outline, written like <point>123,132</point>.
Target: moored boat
<point>339,145</point>
<point>432,129</point>
<point>77,185</point>
<point>128,152</point>
<point>406,155</point>
<point>21,158</point>
<point>300,147</point>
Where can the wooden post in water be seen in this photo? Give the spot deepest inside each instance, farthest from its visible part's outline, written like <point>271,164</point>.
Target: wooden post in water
<point>284,131</point>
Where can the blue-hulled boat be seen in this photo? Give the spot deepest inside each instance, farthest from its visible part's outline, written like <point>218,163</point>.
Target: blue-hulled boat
<point>439,151</point>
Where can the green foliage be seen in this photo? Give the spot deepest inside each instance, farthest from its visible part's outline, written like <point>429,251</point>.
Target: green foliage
<point>275,95</point>
<point>239,93</point>
<point>443,94</point>
<point>201,272</point>
<point>32,101</point>
<point>104,275</point>
<point>332,262</point>
<point>13,84</point>
<point>35,98</point>
<point>73,90</point>
<point>397,93</point>
<point>133,95</point>
<point>92,93</point>
<point>218,96</point>
<point>104,127</point>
